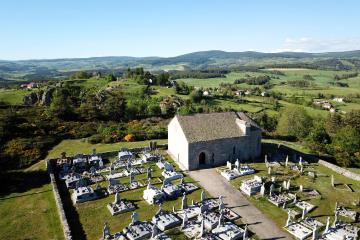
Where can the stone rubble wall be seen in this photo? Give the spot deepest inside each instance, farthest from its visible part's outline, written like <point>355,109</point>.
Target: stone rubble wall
<point>59,204</point>
<point>133,150</point>
<point>340,170</point>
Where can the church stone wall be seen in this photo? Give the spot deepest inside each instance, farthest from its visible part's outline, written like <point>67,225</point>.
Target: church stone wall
<point>177,144</point>
<point>219,151</point>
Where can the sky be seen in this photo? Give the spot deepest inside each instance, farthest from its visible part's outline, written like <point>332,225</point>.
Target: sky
<point>39,29</point>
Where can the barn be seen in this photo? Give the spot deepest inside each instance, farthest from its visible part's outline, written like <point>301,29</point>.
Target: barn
<point>207,140</point>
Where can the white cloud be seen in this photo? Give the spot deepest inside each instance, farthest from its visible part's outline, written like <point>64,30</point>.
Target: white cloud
<point>306,44</point>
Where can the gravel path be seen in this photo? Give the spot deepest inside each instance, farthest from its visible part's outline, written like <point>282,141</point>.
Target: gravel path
<point>257,222</point>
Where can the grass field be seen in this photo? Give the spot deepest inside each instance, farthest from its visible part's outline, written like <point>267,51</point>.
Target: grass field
<point>325,204</point>
<point>13,96</point>
<point>75,146</point>
<point>27,205</point>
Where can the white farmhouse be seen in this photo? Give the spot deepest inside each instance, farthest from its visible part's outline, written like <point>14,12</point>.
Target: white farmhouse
<point>206,140</point>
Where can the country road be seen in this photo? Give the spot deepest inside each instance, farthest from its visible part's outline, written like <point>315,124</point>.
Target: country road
<point>257,222</point>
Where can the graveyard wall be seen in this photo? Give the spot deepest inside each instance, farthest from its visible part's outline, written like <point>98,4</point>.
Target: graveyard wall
<point>340,170</point>
<point>59,204</point>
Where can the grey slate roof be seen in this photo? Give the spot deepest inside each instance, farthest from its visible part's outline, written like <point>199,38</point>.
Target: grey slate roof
<point>211,126</point>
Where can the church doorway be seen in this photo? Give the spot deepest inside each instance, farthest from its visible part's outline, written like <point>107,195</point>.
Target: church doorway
<point>202,158</point>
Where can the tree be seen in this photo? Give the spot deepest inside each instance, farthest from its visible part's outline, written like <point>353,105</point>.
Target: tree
<point>89,110</point>
<point>294,122</point>
<point>346,146</point>
<point>353,119</point>
<point>196,95</point>
<point>61,106</point>
<point>333,123</point>
<point>318,138</point>
<point>163,79</point>
<point>113,107</point>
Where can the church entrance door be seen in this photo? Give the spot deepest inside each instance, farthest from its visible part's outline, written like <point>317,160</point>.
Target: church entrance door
<point>202,158</point>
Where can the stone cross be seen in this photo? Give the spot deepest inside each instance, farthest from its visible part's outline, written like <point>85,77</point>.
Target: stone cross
<point>266,159</point>
<point>106,231</point>
<point>269,170</point>
<point>300,161</point>
<point>304,212</point>
<point>202,196</point>
<point>185,219</point>
<point>301,188</point>
<point>155,232</point>
<point>220,219</point>
<point>237,164</point>
<point>288,219</point>
<point>173,209</point>
<point>262,190</point>
<point>284,205</point>
<point>327,225</point>
<point>288,185</point>
<point>134,217</point>
<point>117,198</point>
<point>332,181</point>
<point>184,202</point>
<point>272,189</point>
<point>228,165</point>
<point>336,218</point>
<point>221,203</point>
<point>287,160</point>
<point>301,169</point>
<point>245,232</point>
<point>148,173</point>
<point>192,202</point>
<point>314,233</point>
<point>202,229</point>
<point>285,184</point>
<point>131,176</point>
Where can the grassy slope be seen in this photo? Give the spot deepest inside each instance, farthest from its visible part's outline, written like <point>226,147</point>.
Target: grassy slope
<point>13,96</point>
<point>29,214</point>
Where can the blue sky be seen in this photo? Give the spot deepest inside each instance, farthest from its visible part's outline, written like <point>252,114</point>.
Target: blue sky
<point>32,29</point>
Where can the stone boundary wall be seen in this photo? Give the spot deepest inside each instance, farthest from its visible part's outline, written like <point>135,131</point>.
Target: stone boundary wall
<point>59,204</point>
<point>134,150</point>
<point>340,170</point>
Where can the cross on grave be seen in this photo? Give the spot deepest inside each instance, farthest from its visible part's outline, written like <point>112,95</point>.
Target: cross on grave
<point>332,181</point>
<point>184,202</point>
<point>287,160</point>
<point>327,225</point>
<point>106,230</point>
<point>228,165</point>
<point>262,190</point>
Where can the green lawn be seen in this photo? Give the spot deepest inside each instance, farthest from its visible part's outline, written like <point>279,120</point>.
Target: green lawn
<point>75,146</point>
<point>27,208</point>
<point>13,96</point>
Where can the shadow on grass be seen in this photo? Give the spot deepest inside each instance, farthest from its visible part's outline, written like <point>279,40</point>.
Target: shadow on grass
<point>19,181</point>
<point>71,213</point>
<point>25,195</point>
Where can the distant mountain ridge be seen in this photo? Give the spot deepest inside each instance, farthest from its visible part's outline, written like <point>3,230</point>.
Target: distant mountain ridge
<point>56,68</point>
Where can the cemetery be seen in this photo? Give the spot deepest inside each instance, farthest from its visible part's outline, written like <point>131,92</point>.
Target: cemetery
<point>150,184</point>
<point>297,194</point>
<point>300,196</point>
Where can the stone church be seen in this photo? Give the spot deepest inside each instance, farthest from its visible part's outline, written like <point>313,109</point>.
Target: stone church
<point>206,140</point>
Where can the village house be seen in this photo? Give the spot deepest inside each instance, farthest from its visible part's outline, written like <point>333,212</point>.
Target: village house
<point>206,140</point>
